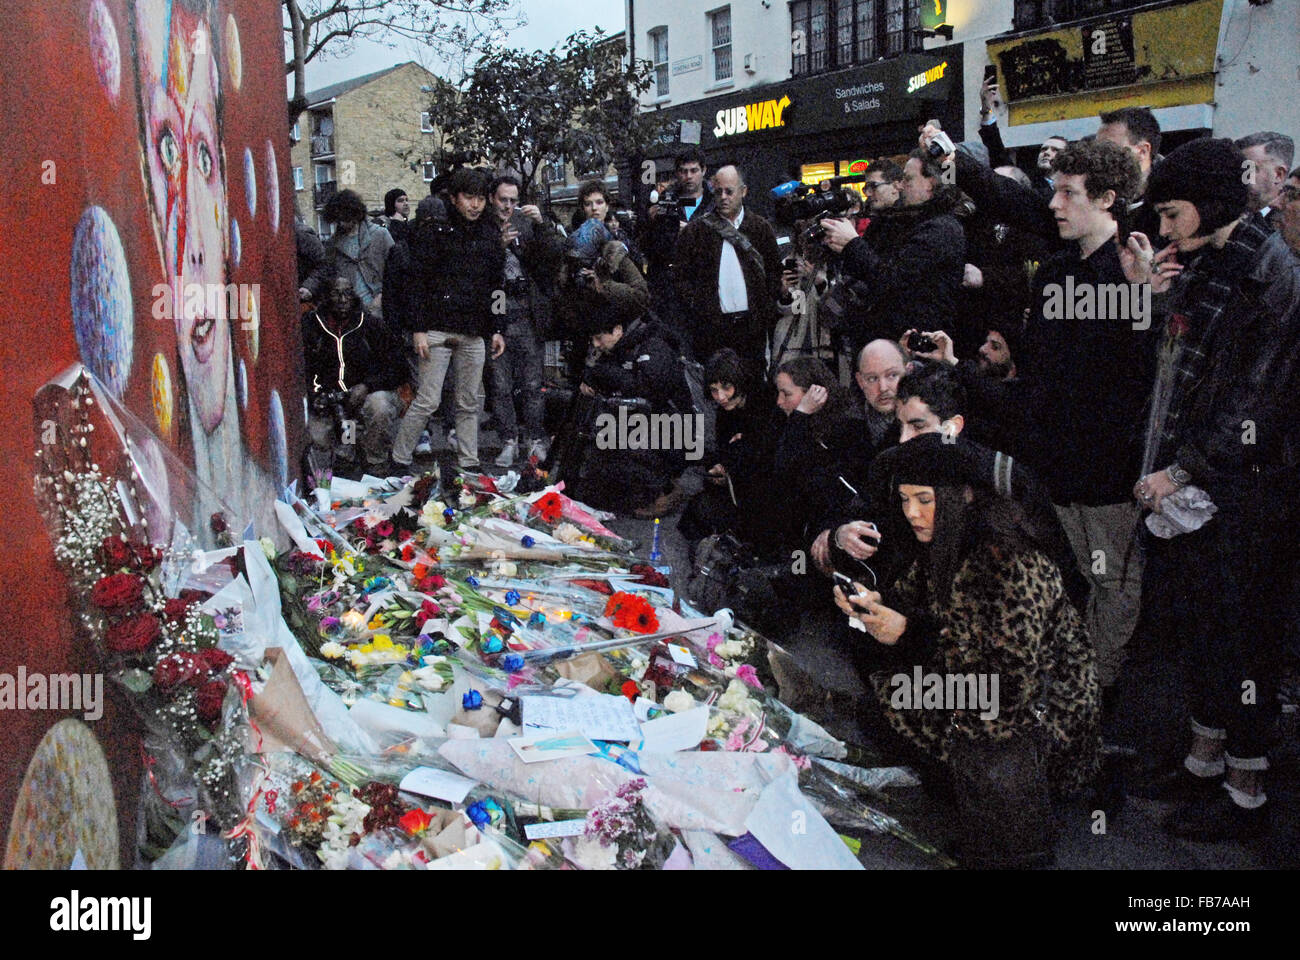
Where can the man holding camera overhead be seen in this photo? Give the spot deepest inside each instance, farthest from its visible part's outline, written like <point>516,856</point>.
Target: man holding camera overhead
<point>728,275</point>
<point>911,261</point>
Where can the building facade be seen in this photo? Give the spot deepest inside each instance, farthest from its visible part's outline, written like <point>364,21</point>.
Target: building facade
<point>808,89</point>
<point>368,134</point>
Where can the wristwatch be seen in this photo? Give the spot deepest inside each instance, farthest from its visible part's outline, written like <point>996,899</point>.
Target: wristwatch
<point>1178,475</point>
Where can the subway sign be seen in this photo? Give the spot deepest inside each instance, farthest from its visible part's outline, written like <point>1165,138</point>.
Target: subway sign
<point>917,81</point>
<point>762,115</point>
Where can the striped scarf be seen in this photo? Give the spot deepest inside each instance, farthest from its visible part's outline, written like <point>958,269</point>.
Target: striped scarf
<point>1207,286</point>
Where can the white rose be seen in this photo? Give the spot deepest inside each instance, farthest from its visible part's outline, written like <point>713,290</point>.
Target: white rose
<point>678,700</point>
<point>268,547</point>
<point>332,650</point>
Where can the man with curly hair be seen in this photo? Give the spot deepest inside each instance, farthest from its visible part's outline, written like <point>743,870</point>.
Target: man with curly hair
<point>1085,371</point>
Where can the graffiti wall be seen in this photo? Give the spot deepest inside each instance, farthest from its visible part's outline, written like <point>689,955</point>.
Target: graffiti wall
<point>148,234</point>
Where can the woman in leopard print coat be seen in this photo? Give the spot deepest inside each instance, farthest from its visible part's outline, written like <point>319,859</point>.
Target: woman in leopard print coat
<point>981,599</point>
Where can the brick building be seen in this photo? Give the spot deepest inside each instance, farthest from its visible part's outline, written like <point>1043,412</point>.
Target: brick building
<point>367,134</point>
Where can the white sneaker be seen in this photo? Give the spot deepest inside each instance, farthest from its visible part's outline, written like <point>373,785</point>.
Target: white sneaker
<point>508,454</point>
<point>538,448</point>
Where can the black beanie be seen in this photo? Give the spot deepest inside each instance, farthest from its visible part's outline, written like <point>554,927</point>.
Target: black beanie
<point>1208,173</point>
<point>933,460</point>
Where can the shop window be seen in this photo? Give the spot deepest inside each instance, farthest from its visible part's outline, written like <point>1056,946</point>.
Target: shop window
<point>817,172</point>
<point>720,28</point>
<point>659,50</point>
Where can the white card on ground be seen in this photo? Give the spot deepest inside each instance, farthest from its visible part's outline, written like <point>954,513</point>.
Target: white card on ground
<point>675,732</point>
<point>551,745</point>
<point>558,828</point>
<point>642,709</point>
<point>439,784</point>
<point>600,717</point>
<point>682,655</point>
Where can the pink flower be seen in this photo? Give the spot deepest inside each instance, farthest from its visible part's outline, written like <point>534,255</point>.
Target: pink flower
<point>747,673</point>
<point>716,660</point>
<point>714,640</point>
<point>735,742</point>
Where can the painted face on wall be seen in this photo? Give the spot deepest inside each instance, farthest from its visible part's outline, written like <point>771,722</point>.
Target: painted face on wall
<point>184,169</point>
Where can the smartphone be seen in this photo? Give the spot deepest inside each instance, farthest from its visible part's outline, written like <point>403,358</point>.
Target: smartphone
<point>991,73</point>
<point>844,582</point>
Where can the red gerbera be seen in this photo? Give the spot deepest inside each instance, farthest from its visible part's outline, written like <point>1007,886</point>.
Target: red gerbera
<point>549,507</point>
<point>630,690</point>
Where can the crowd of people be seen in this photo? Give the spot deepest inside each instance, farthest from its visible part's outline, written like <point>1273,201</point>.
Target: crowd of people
<point>966,418</point>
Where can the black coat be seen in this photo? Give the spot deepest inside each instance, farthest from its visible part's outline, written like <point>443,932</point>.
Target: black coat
<point>314,268</point>
<point>911,260</point>
<point>363,351</point>
<point>812,453</point>
<point>1081,389</point>
<point>643,365</point>
<point>455,267</point>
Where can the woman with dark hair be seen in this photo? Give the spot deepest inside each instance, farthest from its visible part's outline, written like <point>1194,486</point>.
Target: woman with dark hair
<point>981,600</point>
<point>812,452</point>
<point>741,453</point>
<point>397,213</point>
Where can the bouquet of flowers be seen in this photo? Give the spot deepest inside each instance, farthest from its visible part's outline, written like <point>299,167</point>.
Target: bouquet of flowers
<point>621,835</point>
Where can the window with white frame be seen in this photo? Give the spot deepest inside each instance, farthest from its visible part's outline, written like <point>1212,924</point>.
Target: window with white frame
<point>430,171</point>
<point>659,50</point>
<point>426,125</point>
<point>294,134</point>
<point>720,28</point>
<point>297,178</point>
<point>553,172</point>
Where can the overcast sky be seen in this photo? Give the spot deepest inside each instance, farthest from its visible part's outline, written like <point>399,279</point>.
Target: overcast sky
<point>549,22</point>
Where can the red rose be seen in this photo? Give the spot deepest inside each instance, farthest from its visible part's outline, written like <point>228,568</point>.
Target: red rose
<point>214,660</point>
<point>218,523</point>
<point>115,552</point>
<point>174,609</point>
<point>147,556</point>
<point>118,592</point>
<point>432,582</point>
<point>210,698</point>
<point>134,634</point>
<point>175,669</point>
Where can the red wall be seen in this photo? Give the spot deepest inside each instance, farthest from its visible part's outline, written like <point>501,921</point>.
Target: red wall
<point>70,144</point>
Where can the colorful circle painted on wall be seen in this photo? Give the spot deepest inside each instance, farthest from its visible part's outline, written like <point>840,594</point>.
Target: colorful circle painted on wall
<point>101,300</point>
<point>279,443</point>
<point>105,51</point>
<point>65,804</point>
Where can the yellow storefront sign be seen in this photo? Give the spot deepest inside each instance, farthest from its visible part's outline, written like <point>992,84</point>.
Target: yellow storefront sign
<point>754,116</point>
<point>1171,59</point>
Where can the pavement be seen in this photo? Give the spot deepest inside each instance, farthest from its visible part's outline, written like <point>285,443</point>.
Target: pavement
<point>1150,717</point>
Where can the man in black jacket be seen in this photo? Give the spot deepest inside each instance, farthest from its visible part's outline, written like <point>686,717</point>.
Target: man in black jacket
<point>643,445</point>
<point>728,275</point>
<point>533,253</point>
<point>911,260</point>
<point>663,225</point>
<point>1085,374</point>
<point>456,266</point>
<point>353,368</point>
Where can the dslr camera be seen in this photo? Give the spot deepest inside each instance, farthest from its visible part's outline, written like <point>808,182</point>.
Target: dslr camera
<point>667,202</point>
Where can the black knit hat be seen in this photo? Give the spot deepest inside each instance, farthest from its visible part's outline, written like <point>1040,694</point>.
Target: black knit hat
<point>1209,173</point>
<point>933,460</point>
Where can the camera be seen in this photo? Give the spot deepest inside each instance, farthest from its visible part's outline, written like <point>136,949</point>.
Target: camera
<point>626,219</point>
<point>667,202</point>
<point>920,343</point>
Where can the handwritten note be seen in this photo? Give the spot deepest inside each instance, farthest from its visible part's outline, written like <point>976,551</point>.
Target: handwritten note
<point>600,717</point>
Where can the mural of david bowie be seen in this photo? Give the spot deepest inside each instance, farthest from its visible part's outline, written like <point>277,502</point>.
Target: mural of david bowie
<point>177,48</point>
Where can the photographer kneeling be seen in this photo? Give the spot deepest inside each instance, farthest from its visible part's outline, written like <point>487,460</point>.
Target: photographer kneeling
<point>982,607</point>
<point>636,412</point>
<point>353,366</point>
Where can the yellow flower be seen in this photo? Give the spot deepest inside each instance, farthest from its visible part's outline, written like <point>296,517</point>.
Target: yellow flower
<point>377,622</point>
<point>366,648</point>
<point>383,642</point>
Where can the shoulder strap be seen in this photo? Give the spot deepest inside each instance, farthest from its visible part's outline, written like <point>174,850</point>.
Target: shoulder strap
<point>723,228</point>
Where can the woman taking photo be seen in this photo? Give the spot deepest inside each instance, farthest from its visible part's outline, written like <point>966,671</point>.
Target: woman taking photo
<point>983,601</point>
